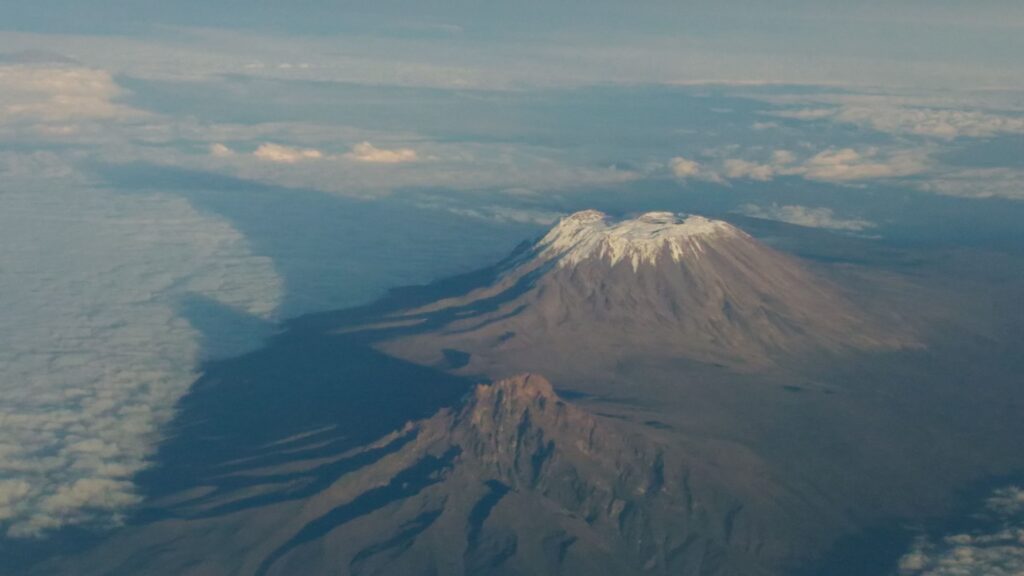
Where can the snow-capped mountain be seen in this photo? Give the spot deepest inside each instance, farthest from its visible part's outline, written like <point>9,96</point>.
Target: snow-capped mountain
<point>680,440</point>
<point>596,290</point>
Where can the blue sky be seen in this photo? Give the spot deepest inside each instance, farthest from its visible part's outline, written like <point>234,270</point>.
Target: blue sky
<point>276,158</point>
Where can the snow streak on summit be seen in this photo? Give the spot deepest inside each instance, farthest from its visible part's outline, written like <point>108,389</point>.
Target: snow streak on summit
<point>592,233</point>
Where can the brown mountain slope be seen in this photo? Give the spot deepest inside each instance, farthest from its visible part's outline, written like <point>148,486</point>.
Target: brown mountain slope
<point>673,457</point>
<point>595,291</point>
<point>515,480</point>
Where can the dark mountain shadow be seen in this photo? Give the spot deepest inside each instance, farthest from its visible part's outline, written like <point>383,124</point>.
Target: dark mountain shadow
<point>307,393</point>
<point>224,331</point>
<point>407,297</point>
<point>310,392</point>
<point>331,251</point>
<point>304,395</point>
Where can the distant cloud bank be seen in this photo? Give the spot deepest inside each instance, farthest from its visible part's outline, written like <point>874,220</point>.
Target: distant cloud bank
<point>52,93</point>
<point>805,216</point>
<point>366,152</point>
<point>286,154</point>
<point>889,116</point>
<point>835,165</point>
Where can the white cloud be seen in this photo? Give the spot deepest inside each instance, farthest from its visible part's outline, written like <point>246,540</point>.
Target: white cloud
<point>783,157</point>
<point>52,94</point>
<point>838,165</point>
<point>994,548</point>
<point>285,154</point>
<point>805,216</point>
<point>891,117</point>
<point>933,122</point>
<point>91,493</point>
<point>848,164</point>
<point>806,113</point>
<point>462,166</point>
<point>977,183</point>
<point>12,494</point>
<point>366,152</point>
<point>458,166</point>
<point>742,169</point>
<point>685,169</point>
<point>1007,501</point>
<point>93,351</point>
<point>219,150</point>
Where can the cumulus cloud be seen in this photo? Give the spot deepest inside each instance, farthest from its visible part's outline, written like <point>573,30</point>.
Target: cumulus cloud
<point>686,169</point>
<point>94,353</point>
<point>838,165</point>
<point>286,154</point>
<point>59,94</point>
<point>994,548</point>
<point>783,157</point>
<point>219,150</point>
<point>810,217</point>
<point>366,152</point>
<point>457,166</point>
<point>1007,501</point>
<point>736,168</point>
<point>848,164</point>
<point>12,494</point>
<point>96,126</point>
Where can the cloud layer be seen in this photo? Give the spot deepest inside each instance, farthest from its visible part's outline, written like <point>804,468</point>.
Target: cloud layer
<point>93,350</point>
<point>59,93</point>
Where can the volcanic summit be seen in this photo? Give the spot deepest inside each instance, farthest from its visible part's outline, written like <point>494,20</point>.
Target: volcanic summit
<point>596,289</point>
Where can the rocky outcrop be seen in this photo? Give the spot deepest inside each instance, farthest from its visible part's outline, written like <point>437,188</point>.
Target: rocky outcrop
<point>515,480</point>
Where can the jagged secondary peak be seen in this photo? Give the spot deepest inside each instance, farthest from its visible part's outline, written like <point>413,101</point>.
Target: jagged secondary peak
<point>503,406</point>
<point>521,431</point>
<point>518,391</point>
<point>644,239</point>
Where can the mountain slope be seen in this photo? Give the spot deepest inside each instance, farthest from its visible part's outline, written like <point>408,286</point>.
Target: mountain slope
<point>515,480</point>
<point>596,291</point>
